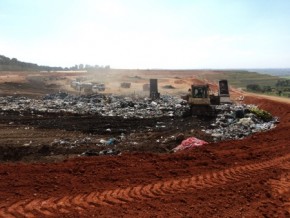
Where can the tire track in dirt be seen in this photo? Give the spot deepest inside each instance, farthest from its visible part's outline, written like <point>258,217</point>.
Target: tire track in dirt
<point>281,187</point>
<point>32,208</point>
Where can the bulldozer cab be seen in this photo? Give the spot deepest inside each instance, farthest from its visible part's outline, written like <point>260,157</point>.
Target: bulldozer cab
<point>199,91</point>
<point>199,95</point>
<point>199,101</point>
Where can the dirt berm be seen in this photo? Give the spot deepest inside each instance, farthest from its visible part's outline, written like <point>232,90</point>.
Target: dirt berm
<point>245,178</point>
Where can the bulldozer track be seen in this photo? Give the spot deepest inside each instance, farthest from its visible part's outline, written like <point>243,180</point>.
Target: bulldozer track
<point>282,186</point>
<point>32,208</point>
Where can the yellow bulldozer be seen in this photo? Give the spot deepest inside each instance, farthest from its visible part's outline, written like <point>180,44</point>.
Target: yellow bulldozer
<point>202,101</point>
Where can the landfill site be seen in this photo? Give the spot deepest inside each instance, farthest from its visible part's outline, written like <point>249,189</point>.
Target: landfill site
<point>140,143</point>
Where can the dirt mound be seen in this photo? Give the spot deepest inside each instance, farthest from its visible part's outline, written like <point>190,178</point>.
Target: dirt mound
<point>180,81</point>
<point>191,81</point>
<point>195,81</point>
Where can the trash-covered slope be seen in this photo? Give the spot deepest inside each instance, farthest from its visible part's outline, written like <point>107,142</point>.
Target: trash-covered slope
<point>104,105</point>
<point>239,121</point>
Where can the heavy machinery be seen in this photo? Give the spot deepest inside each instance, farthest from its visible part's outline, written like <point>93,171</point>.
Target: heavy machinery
<point>199,99</point>
<point>224,93</point>
<point>202,101</point>
<point>154,94</point>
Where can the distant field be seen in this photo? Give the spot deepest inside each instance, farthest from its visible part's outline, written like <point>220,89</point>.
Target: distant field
<point>241,79</point>
<point>273,71</point>
<point>30,83</point>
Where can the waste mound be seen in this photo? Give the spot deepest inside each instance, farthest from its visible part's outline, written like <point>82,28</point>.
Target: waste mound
<point>239,121</point>
<point>103,105</point>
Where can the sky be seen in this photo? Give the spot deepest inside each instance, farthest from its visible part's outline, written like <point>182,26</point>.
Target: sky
<point>148,34</point>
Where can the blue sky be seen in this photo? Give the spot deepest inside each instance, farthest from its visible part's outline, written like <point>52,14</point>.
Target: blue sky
<point>177,34</point>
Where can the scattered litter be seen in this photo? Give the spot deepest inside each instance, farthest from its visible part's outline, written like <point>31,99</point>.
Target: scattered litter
<point>110,141</point>
<point>72,143</point>
<point>122,137</point>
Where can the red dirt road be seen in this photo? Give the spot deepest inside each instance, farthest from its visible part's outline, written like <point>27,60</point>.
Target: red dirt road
<point>245,178</point>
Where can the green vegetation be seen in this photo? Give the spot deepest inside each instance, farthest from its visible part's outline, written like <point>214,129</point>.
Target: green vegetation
<point>283,87</point>
<point>253,82</point>
<point>264,115</point>
<point>240,79</point>
<point>7,64</point>
<point>258,88</point>
<point>15,65</point>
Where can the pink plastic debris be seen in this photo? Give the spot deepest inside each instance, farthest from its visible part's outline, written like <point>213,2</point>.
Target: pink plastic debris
<point>189,143</point>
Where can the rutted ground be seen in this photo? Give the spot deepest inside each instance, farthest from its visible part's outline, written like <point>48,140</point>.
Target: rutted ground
<point>82,202</point>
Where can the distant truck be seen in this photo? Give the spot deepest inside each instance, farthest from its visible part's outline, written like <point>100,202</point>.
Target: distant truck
<point>87,87</point>
<point>125,85</point>
<point>76,85</point>
<point>80,86</point>
<point>99,87</point>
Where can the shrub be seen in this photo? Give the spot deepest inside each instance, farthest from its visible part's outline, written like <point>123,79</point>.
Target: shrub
<point>264,115</point>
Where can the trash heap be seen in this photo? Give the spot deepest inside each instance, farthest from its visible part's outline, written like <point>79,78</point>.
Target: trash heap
<point>104,105</point>
<point>239,121</point>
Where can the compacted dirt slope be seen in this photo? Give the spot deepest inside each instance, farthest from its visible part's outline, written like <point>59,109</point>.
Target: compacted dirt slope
<point>245,178</point>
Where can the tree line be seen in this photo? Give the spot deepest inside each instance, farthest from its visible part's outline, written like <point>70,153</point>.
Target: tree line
<point>281,86</point>
<point>12,64</point>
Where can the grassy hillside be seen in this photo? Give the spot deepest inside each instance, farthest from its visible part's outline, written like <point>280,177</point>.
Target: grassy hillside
<point>242,78</point>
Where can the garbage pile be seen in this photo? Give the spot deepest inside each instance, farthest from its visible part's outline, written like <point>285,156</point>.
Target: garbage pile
<point>104,105</point>
<point>239,121</point>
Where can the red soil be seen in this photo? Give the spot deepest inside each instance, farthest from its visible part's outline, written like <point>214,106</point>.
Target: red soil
<point>245,178</point>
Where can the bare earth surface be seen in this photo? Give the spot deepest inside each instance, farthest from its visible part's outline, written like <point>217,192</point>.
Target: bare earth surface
<point>244,178</point>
